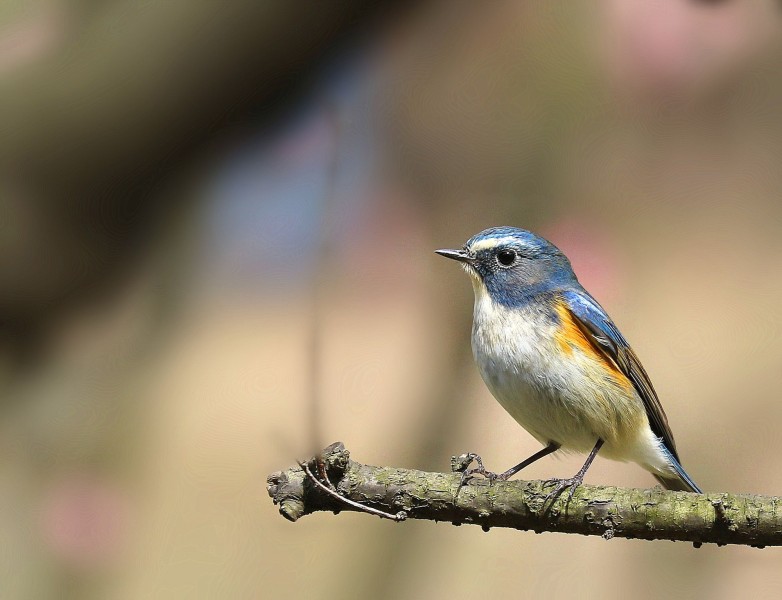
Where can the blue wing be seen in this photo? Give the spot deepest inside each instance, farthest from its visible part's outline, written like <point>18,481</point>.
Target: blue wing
<point>607,339</point>
<point>598,327</point>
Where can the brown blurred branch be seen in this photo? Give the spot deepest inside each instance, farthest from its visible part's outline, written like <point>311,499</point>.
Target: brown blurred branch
<point>652,514</point>
<point>126,98</point>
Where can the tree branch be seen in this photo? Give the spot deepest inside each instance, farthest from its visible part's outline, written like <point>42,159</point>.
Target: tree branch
<point>652,514</point>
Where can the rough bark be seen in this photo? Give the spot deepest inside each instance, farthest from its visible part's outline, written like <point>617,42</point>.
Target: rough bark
<point>652,514</point>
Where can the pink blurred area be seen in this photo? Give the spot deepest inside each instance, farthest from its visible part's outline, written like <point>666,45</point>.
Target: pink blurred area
<point>276,290</point>
<point>84,522</point>
<point>588,246</point>
<point>660,49</point>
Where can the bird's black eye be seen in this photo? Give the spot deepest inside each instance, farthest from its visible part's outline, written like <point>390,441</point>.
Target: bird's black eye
<point>506,257</point>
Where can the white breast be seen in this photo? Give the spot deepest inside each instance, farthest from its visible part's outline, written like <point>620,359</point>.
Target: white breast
<point>555,396</point>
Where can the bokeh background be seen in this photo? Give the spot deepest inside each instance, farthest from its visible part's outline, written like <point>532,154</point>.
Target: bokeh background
<point>216,234</point>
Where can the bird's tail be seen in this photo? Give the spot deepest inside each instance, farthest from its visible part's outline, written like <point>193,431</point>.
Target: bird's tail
<point>681,481</point>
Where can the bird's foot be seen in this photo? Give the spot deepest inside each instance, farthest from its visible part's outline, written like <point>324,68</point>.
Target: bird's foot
<point>460,464</point>
<point>560,485</point>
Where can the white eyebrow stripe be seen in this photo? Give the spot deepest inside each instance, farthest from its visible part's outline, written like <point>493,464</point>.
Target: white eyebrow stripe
<point>493,243</point>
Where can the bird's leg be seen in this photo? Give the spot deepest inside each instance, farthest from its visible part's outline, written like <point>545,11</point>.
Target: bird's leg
<point>460,464</point>
<point>574,481</point>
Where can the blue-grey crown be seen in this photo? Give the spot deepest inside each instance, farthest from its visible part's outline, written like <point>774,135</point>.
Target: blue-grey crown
<point>533,244</point>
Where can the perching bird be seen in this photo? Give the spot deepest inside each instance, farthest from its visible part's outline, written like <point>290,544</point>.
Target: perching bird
<point>555,361</point>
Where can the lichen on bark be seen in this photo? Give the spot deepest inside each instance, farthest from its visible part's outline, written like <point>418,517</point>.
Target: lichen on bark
<point>652,514</point>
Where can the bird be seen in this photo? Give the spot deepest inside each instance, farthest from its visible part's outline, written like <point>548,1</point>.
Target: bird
<point>557,363</point>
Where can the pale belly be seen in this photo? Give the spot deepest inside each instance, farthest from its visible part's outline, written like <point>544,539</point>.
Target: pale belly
<point>557,397</point>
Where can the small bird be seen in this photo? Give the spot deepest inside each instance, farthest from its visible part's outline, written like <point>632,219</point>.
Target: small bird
<point>554,359</point>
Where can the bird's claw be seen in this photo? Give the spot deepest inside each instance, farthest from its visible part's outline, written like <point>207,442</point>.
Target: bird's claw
<point>460,464</point>
<point>560,485</point>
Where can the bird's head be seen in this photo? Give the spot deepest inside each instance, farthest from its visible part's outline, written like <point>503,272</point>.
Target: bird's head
<point>512,264</point>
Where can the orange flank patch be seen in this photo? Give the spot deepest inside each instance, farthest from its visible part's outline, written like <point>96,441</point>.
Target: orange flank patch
<point>571,336</point>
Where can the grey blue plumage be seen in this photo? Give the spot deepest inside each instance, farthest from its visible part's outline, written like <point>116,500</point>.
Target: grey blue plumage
<point>557,363</point>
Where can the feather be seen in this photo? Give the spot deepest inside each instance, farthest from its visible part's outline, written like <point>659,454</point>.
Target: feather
<point>608,341</point>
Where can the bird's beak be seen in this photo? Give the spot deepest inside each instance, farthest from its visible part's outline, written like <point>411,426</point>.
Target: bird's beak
<point>459,255</point>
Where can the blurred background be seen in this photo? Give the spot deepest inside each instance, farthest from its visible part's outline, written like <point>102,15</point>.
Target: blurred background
<point>216,233</point>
